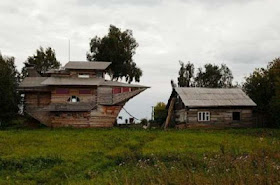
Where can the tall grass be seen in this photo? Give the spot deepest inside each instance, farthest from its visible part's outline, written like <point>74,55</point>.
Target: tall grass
<point>131,156</point>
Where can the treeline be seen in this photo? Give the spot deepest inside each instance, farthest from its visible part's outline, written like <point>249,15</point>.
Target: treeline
<point>211,76</point>
<point>119,47</point>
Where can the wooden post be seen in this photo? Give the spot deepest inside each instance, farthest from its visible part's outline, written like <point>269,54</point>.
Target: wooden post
<point>170,112</point>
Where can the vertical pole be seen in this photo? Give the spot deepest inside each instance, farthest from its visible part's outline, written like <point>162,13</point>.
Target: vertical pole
<point>152,116</point>
<point>69,50</point>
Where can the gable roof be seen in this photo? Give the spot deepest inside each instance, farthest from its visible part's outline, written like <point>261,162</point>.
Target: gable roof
<point>98,65</point>
<point>213,97</point>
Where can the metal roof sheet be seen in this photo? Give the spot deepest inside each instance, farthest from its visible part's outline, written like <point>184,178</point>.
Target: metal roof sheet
<point>98,65</point>
<point>32,82</point>
<point>72,81</point>
<point>120,84</point>
<point>212,97</point>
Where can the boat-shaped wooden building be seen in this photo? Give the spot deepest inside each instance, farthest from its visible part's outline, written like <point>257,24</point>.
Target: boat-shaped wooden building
<point>78,95</point>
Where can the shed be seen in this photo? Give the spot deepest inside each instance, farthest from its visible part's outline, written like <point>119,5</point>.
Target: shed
<point>211,107</point>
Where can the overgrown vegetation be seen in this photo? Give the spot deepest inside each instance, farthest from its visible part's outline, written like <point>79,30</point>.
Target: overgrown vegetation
<point>263,86</point>
<point>9,97</point>
<point>129,156</point>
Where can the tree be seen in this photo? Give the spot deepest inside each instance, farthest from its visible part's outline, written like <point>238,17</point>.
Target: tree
<point>117,47</point>
<point>160,113</point>
<point>186,74</point>
<point>43,61</point>
<point>263,87</point>
<point>9,78</point>
<point>214,76</point>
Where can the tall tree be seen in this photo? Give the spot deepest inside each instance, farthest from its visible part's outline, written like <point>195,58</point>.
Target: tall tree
<point>263,87</point>
<point>117,47</point>
<point>43,60</point>
<point>9,78</point>
<point>186,74</point>
<point>214,76</point>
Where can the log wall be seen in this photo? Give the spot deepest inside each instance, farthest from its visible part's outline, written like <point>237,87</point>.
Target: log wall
<point>218,117</point>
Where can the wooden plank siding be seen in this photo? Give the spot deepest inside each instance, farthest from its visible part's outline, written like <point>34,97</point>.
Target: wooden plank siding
<point>222,117</point>
<point>62,98</point>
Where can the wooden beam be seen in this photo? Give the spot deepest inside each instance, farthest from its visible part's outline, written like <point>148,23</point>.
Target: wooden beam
<point>170,112</point>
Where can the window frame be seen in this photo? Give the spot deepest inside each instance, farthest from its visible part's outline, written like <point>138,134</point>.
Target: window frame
<point>83,75</point>
<point>203,116</point>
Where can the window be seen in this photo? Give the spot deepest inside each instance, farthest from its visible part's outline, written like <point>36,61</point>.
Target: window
<point>74,99</point>
<point>236,116</point>
<point>117,90</point>
<point>83,75</point>
<point>84,91</point>
<point>126,89</point>
<point>203,116</point>
<point>62,91</point>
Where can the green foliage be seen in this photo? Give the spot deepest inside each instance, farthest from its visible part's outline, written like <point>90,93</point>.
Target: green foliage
<point>186,74</point>
<point>9,98</point>
<point>144,121</point>
<point>43,60</point>
<point>124,156</point>
<point>117,47</point>
<point>160,113</point>
<point>214,76</point>
<point>211,76</point>
<point>263,87</point>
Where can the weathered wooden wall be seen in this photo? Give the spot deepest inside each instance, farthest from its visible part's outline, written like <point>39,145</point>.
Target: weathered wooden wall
<point>218,117</point>
<point>62,98</point>
<point>37,99</point>
<point>103,116</point>
<point>104,95</point>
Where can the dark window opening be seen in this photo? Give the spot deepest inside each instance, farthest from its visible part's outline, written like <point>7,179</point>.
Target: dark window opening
<point>84,91</point>
<point>236,116</point>
<point>62,91</point>
<point>117,90</point>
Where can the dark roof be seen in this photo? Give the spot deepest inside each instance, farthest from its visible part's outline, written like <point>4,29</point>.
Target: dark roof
<point>72,81</point>
<point>120,84</point>
<point>69,107</point>
<point>87,65</point>
<point>33,82</point>
<point>213,97</point>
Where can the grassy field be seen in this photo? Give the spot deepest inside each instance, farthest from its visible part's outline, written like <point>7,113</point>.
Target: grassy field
<point>132,156</point>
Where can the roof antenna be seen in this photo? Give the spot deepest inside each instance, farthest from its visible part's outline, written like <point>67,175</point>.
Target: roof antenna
<point>69,50</point>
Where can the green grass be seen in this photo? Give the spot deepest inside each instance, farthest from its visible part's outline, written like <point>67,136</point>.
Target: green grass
<point>132,156</point>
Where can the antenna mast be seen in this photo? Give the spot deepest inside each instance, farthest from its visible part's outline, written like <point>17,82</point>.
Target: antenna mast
<point>69,50</point>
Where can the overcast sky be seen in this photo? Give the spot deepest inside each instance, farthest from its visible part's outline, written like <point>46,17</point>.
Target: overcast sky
<point>244,34</point>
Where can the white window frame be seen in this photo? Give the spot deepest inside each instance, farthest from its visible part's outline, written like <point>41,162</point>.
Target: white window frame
<point>203,116</point>
<point>83,75</point>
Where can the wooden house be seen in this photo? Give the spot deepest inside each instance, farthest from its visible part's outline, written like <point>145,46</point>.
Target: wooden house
<point>210,107</point>
<point>76,95</point>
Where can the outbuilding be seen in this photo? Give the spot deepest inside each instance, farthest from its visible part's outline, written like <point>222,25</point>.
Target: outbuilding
<point>210,107</point>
